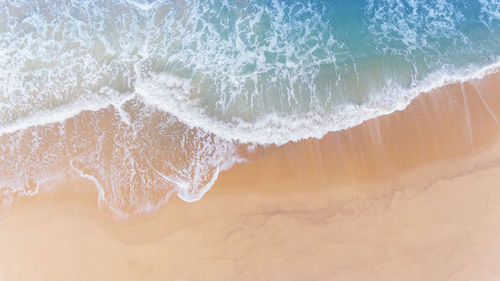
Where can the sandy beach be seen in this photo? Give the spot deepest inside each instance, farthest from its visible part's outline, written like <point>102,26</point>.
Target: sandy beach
<point>413,195</point>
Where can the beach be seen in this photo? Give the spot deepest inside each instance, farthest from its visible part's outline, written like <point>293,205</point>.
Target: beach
<point>249,140</point>
<point>412,195</point>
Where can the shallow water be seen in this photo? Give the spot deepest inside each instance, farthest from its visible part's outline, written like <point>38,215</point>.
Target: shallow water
<point>139,94</point>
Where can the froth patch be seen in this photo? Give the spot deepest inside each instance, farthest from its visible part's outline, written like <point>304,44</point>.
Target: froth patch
<point>135,167</point>
<point>172,95</point>
<point>247,66</point>
<point>405,28</point>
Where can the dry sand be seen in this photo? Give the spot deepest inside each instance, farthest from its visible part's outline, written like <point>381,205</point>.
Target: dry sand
<point>414,195</point>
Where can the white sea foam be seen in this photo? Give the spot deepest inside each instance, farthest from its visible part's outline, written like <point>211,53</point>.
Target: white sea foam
<point>143,5</point>
<point>259,82</point>
<point>490,11</point>
<point>64,112</point>
<point>57,55</point>
<point>170,94</point>
<point>135,167</point>
<point>209,144</point>
<point>419,26</point>
<point>268,72</point>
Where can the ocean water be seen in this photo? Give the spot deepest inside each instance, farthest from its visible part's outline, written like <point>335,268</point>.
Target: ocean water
<point>146,99</point>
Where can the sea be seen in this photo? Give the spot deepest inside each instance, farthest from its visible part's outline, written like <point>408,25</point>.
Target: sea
<point>145,99</point>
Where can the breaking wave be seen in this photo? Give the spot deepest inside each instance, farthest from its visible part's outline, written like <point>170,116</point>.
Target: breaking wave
<point>149,98</point>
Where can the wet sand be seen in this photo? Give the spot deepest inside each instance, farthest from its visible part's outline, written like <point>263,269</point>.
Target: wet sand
<point>413,195</point>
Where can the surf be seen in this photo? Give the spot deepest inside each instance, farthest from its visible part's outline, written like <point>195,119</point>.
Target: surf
<point>211,85</point>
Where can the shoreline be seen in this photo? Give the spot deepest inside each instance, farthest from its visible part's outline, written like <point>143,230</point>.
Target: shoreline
<point>379,149</point>
<point>251,234</point>
<point>450,122</point>
<point>408,196</point>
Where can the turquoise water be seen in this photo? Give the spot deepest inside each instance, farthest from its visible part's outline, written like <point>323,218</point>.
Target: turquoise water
<point>225,72</point>
<point>240,62</point>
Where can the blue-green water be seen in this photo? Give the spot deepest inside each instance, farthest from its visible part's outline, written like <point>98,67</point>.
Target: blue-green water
<point>235,72</point>
<point>240,63</point>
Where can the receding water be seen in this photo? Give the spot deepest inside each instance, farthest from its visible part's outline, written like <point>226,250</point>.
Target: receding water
<point>219,74</point>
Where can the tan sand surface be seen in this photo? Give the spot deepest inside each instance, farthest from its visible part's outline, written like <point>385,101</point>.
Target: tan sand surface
<point>414,195</point>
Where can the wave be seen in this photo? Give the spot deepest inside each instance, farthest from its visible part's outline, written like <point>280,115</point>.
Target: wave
<point>282,128</point>
<point>171,94</point>
<point>137,161</point>
<point>247,66</point>
<point>137,164</point>
<point>64,112</point>
<point>146,99</point>
<point>134,166</point>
